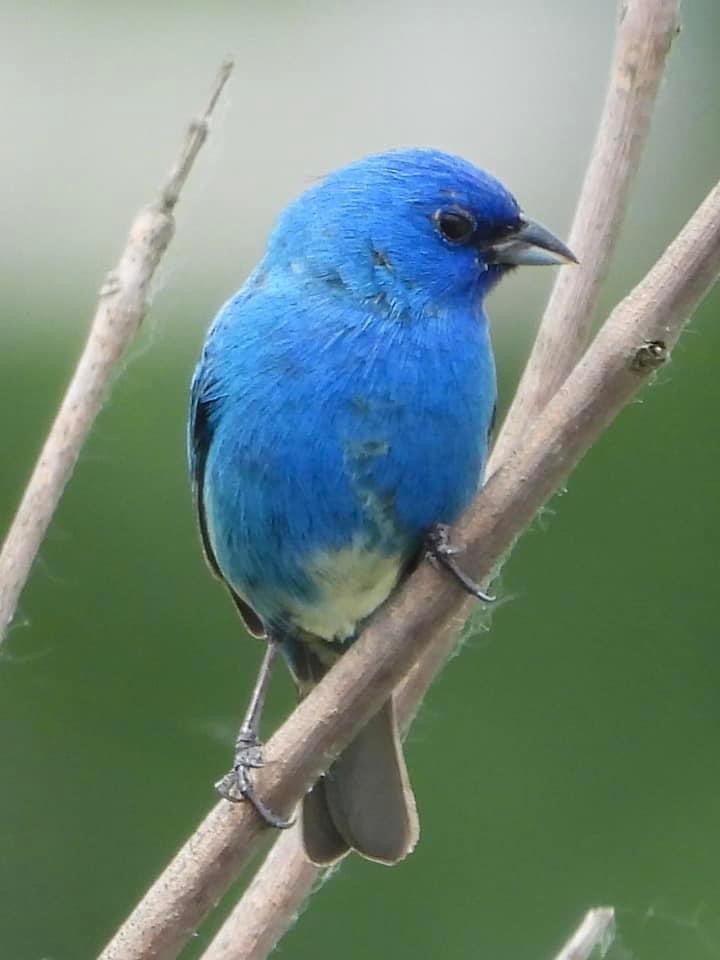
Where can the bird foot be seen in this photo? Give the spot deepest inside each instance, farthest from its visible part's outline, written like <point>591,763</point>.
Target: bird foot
<point>440,552</point>
<point>237,785</point>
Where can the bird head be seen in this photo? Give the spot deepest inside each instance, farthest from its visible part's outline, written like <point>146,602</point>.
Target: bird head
<point>415,227</point>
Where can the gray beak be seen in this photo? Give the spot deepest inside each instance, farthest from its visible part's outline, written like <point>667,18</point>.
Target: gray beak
<point>532,245</point>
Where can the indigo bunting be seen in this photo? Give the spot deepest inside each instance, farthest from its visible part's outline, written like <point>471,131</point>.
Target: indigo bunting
<point>339,420</point>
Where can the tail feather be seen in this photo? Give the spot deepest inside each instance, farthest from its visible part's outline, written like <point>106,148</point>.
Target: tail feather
<point>364,801</point>
<point>323,844</point>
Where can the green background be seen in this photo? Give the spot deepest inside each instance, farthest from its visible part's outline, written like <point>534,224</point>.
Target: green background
<point>569,757</point>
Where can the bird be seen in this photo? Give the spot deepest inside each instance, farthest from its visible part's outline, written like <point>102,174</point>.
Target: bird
<point>339,424</point>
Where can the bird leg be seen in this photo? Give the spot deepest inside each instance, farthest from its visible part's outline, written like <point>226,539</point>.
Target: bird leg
<point>441,553</point>
<point>237,785</point>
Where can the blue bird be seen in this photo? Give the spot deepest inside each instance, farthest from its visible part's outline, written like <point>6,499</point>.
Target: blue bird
<point>339,420</point>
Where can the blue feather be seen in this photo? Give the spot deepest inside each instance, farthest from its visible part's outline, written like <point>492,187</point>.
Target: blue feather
<point>344,396</point>
<point>340,410</point>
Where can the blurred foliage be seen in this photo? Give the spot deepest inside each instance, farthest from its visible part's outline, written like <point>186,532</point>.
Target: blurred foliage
<point>569,756</point>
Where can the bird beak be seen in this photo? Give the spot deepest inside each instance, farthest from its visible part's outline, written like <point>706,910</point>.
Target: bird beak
<point>532,245</point>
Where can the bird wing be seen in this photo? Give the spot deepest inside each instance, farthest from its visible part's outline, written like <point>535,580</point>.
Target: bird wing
<point>199,436</point>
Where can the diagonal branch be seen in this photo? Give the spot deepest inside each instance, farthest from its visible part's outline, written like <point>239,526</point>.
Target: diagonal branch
<point>270,904</point>
<point>637,337</point>
<point>121,308</point>
<point>644,34</point>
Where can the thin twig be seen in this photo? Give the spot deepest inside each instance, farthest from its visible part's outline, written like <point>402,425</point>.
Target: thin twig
<point>270,903</point>
<point>636,338</point>
<point>596,930</point>
<point>121,308</point>
<point>644,34</point>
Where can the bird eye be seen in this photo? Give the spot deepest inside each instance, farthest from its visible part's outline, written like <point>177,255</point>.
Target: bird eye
<point>456,225</point>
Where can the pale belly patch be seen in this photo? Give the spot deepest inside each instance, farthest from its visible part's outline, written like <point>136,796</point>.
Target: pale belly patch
<point>352,582</point>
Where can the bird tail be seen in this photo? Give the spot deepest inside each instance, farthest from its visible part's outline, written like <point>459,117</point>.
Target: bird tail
<point>365,801</point>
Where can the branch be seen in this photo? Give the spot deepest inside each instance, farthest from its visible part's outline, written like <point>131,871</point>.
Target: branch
<point>269,905</point>
<point>644,34</point>
<point>637,337</point>
<point>596,930</point>
<point>121,308</point>
<point>271,902</point>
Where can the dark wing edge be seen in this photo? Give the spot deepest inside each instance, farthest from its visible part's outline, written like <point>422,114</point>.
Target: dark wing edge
<point>493,423</point>
<point>198,442</point>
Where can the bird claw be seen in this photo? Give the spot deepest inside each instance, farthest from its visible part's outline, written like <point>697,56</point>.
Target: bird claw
<point>440,552</point>
<point>237,786</point>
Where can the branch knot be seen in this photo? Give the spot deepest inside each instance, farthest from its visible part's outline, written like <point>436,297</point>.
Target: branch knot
<point>651,355</point>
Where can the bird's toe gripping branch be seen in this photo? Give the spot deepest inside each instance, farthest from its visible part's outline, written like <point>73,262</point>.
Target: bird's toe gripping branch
<point>440,552</point>
<point>237,784</point>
